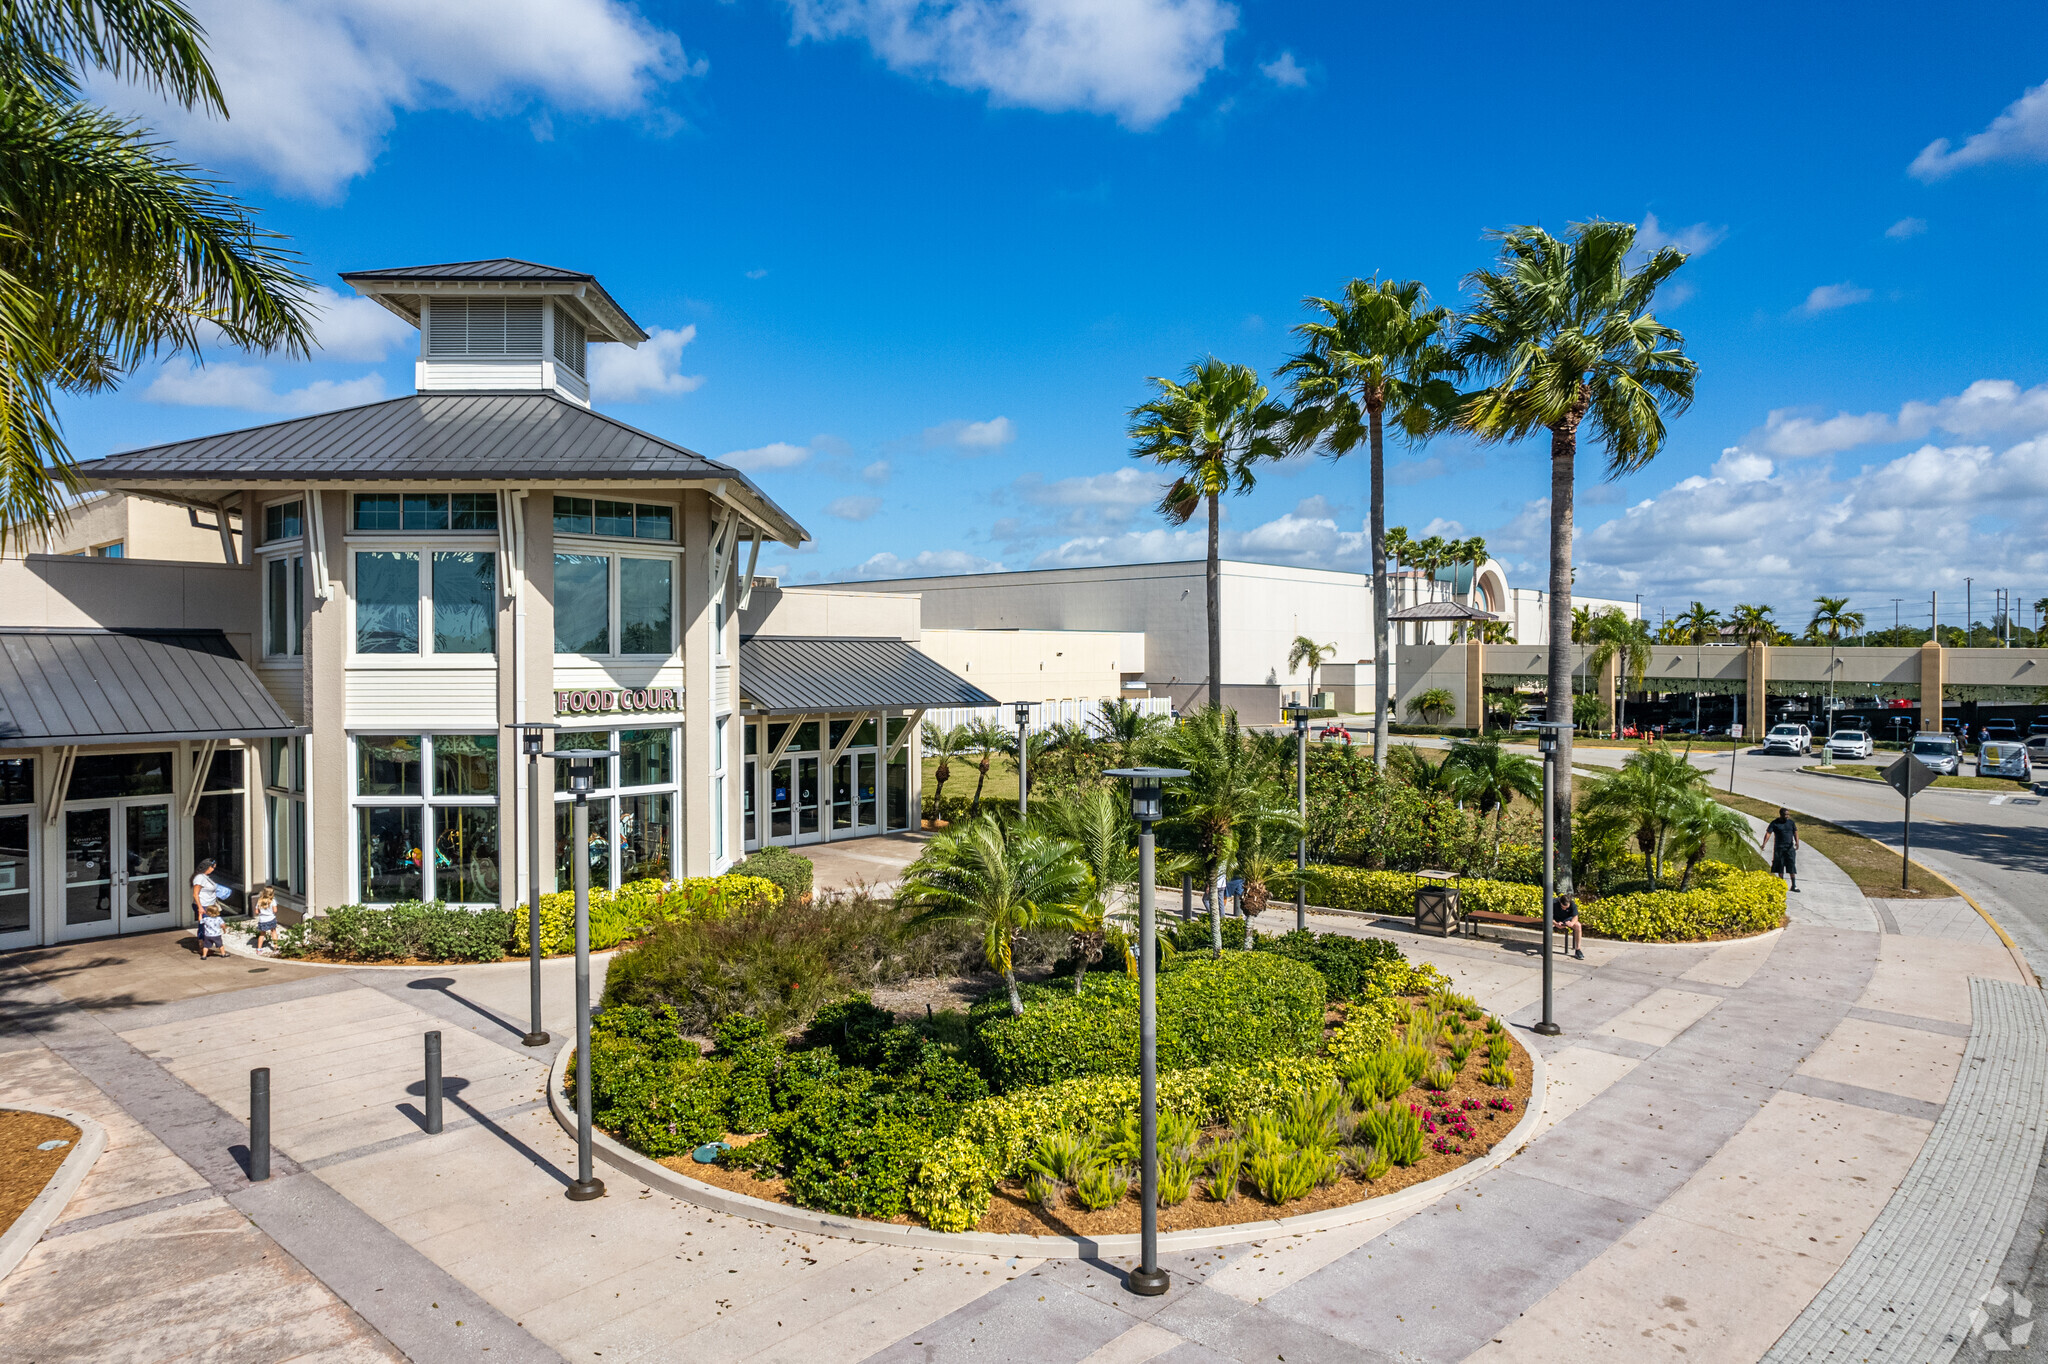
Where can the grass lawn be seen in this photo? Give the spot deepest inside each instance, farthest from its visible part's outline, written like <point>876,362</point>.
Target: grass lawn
<point>1872,866</point>
<point>1002,779</point>
<point>1866,772</point>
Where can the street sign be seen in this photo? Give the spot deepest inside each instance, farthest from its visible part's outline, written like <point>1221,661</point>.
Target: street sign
<point>1909,776</point>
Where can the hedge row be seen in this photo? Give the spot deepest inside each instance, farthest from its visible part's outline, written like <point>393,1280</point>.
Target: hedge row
<point>408,931</point>
<point>628,912</point>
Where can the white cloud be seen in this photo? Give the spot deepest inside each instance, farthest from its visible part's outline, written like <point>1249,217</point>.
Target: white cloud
<point>184,383</point>
<point>1135,59</point>
<point>313,87</point>
<point>1795,436</point>
<point>779,455</point>
<point>757,274</point>
<point>2018,134</point>
<point>620,374</point>
<point>1906,227</point>
<point>876,473</point>
<point>355,328</point>
<point>1697,240</point>
<point>1121,488</point>
<point>1829,297</point>
<point>853,508</point>
<point>1285,71</point>
<point>1987,409</point>
<point>972,437</point>
<point>1403,473</point>
<point>926,563</point>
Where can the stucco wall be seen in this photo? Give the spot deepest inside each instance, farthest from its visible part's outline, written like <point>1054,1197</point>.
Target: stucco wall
<point>831,613</point>
<point>1042,665</point>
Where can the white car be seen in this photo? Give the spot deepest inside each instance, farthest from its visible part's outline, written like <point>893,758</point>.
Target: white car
<point>1940,752</point>
<point>1794,739</point>
<point>1850,743</point>
<point>2006,757</point>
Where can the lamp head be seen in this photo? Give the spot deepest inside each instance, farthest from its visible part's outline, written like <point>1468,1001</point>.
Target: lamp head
<point>1148,795</point>
<point>1299,715</point>
<point>1546,735</point>
<point>1023,714</point>
<point>533,735</point>
<point>582,767</point>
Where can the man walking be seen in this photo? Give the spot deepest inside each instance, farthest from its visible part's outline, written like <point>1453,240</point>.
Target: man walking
<point>1783,836</point>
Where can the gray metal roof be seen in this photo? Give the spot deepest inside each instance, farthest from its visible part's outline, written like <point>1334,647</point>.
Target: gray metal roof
<point>1441,610</point>
<point>119,686</point>
<point>388,287</point>
<point>783,675</point>
<point>504,267</point>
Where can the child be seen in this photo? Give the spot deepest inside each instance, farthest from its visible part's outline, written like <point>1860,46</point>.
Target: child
<point>212,933</point>
<point>266,920</point>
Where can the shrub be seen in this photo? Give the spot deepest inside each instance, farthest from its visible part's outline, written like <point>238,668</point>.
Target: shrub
<point>648,1083</point>
<point>1395,1132</point>
<point>852,1147</point>
<point>1103,1186</point>
<point>1243,1007</point>
<point>634,908</point>
<point>1367,1029</point>
<point>789,871</point>
<point>409,930</point>
<point>1352,968</point>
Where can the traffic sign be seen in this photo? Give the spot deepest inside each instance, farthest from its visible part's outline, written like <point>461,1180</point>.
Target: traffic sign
<point>1909,776</point>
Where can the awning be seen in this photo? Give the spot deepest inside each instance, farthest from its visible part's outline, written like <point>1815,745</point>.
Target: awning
<point>1441,610</point>
<point>784,675</point>
<point>127,686</point>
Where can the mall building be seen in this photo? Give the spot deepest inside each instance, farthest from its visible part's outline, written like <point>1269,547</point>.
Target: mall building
<point>324,705</point>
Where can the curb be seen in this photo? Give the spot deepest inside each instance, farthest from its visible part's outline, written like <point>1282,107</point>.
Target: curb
<point>1879,781</point>
<point>237,945</point>
<point>36,1218</point>
<point>628,1161</point>
<point>2012,948</point>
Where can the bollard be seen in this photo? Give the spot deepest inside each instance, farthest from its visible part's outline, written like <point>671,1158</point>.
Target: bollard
<point>433,1082</point>
<point>259,1124</point>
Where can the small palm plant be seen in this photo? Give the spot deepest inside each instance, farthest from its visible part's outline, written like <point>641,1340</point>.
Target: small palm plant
<point>944,742</point>
<point>1698,823</point>
<point>1433,705</point>
<point>1492,777</point>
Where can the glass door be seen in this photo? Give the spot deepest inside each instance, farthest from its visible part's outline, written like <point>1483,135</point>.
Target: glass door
<point>780,793</point>
<point>807,800</point>
<point>864,793</point>
<point>117,869</point>
<point>17,885</point>
<point>88,871</point>
<point>145,866</point>
<point>750,832</point>
<point>842,794</point>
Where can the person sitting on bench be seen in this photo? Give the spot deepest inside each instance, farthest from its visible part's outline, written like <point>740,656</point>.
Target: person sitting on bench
<point>1564,913</point>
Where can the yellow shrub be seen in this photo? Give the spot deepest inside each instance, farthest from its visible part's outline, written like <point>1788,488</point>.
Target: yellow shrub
<point>617,916</point>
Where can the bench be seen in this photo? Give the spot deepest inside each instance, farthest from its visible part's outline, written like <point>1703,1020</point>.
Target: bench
<point>1477,917</point>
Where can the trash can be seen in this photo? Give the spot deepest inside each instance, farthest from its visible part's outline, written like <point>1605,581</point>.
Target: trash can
<point>1436,903</point>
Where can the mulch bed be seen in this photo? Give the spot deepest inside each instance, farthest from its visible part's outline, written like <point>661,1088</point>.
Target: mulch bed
<point>1009,1213</point>
<point>24,1170</point>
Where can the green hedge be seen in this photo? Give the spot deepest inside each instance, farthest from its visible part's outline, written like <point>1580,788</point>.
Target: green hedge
<point>409,930</point>
<point>1244,1007</point>
<point>790,871</point>
<point>627,913</point>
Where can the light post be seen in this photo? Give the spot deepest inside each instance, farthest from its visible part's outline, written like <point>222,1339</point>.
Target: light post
<point>1546,742</point>
<point>581,761</point>
<point>1147,805</point>
<point>1023,756</point>
<point>533,737</point>
<point>1299,715</point>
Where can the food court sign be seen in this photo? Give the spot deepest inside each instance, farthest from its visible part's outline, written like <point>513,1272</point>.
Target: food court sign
<point>602,700</point>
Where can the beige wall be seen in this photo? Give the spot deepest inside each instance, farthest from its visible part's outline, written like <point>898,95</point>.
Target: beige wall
<point>831,613</point>
<point>1043,665</point>
<point>118,594</point>
<point>145,530</point>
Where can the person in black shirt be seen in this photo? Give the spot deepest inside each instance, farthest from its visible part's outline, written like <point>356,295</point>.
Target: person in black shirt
<point>1783,835</point>
<point>1564,913</point>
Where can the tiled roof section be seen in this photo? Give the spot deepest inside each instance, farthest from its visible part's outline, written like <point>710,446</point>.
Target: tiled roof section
<point>118,686</point>
<point>502,268</point>
<point>498,436</point>
<point>803,675</point>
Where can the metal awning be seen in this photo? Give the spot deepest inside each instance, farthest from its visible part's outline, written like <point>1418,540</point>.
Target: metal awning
<point>792,675</point>
<point>1441,610</point>
<point>64,686</point>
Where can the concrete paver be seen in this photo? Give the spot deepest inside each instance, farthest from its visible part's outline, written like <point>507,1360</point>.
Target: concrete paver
<point>1920,1065</point>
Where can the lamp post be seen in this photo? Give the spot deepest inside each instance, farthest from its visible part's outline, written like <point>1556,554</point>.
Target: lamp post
<point>533,737</point>
<point>1299,715</point>
<point>1023,756</point>
<point>1546,742</point>
<point>581,761</point>
<point>1147,805</point>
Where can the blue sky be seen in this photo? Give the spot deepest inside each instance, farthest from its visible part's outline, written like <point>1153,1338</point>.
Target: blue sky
<point>911,263</point>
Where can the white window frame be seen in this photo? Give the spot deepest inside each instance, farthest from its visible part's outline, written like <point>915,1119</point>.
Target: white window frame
<point>673,788</point>
<point>611,548</point>
<point>427,801</point>
<point>393,542</point>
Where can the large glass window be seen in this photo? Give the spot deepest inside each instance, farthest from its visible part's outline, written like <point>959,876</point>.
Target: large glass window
<point>217,819</point>
<point>283,521</point>
<point>103,776</point>
<point>632,809</point>
<point>623,520</point>
<point>387,602</point>
<point>465,602</point>
<point>583,604</point>
<point>426,511</point>
<point>284,605</point>
<point>284,813</point>
<point>646,606</point>
<point>17,888</point>
<point>427,817</point>
<point>17,781</point>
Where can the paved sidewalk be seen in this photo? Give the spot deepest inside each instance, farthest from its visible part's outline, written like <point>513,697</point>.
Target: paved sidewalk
<point>1727,1123</point>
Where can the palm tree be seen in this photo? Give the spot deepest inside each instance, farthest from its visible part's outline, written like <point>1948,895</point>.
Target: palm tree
<point>1098,823</point>
<point>1009,880</point>
<point>1698,822</point>
<point>1400,550</point>
<point>1229,788</point>
<point>1699,624</point>
<point>1564,334</point>
<point>1125,729</point>
<point>1214,429</point>
<point>1753,624</point>
<point>1435,701</point>
<point>944,742</point>
<point>1647,792</point>
<point>1306,651</point>
<point>1510,707</point>
<point>1616,636</point>
<point>1492,777</point>
<point>110,251</point>
<point>984,739</point>
<point>1378,354</point>
<point>1491,631</point>
<point>1832,618</point>
<point>1412,765</point>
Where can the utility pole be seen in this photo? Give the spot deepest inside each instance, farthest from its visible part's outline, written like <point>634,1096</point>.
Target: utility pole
<point>1895,612</point>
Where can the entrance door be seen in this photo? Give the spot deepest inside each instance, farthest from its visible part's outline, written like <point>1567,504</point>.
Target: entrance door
<point>807,800</point>
<point>750,829</point>
<point>117,869</point>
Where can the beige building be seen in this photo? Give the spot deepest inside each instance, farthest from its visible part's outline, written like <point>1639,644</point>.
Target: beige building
<point>113,525</point>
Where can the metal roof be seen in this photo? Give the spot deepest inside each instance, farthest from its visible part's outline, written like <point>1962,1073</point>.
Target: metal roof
<point>504,267</point>
<point>796,675</point>
<point>496,437</point>
<point>120,686</point>
<point>1441,610</point>
<point>609,321</point>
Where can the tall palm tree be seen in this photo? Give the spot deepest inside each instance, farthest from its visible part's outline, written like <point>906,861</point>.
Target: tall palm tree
<point>984,739</point>
<point>1229,787</point>
<point>1379,354</point>
<point>110,251</point>
<point>944,742</point>
<point>1009,880</point>
<point>1616,636</point>
<point>1213,429</point>
<point>1832,619</point>
<point>1305,651</point>
<point>1699,624</point>
<point>1492,777</point>
<point>1563,334</point>
<point>1400,550</point>
<point>1753,624</point>
<point>1125,729</point>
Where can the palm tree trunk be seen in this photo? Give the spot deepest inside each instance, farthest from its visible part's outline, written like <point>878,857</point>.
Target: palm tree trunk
<point>1214,583</point>
<point>1016,1000</point>
<point>1382,673</point>
<point>980,782</point>
<point>1213,893</point>
<point>1564,441</point>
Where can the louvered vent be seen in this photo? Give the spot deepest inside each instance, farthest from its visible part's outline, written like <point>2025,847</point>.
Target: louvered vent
<point>570,339</point>
<point>483,326</point>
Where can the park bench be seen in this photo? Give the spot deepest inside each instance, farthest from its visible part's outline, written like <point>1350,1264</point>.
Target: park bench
<point>1477,917</point>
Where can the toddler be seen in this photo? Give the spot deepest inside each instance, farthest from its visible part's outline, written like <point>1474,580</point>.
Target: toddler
<point>266,920</point>
<point>212,933</point>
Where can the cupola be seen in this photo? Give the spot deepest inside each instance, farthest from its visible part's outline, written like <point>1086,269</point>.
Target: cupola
<point>501,326</point>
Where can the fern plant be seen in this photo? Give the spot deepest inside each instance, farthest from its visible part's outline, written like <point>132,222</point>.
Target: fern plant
<point>1283,1176</point>
<point>1044,1191</point>
<point>1226,1169</point>
<point>1102,1185</point>
<point>1396,1131</point>
<point>1064,1157</point>
<point>1440,1078</point>
<point>1176,1178</point>
<point>1416,1062</point>
<point>1311,1118</point>
<point>1498,1074</point>
<point>1260,1134</point>
<point>1461,1050</point>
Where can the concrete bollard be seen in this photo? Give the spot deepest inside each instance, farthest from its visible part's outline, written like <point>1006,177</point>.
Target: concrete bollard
<point>433,1082</point>
<point>259,1124</point>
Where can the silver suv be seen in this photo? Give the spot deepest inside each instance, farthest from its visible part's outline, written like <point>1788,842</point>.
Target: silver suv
<point>1940,752</point>
<point>1794,739</point>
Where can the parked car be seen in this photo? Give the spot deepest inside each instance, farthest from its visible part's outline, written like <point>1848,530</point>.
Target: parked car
<point>2039,725</point>
<point>2005,758</point>
<point>1850,743</point>
<point>2037,751</point>
<point>2001,728</point>
<point>1794,739</point>
<point>1940,752</point>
